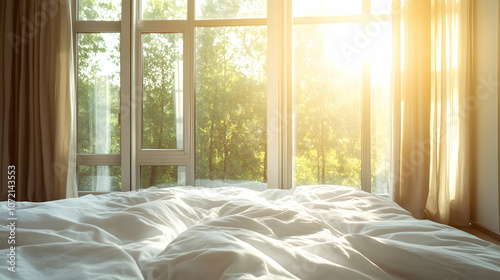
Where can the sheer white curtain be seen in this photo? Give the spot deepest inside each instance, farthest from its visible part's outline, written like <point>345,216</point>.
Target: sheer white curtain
<point>37,84</point>
<point>449,187</point>
<point>431,142</point>
<point>101,132</point>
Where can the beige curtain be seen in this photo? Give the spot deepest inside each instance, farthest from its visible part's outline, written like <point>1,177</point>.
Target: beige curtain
<point>37,85</point>
<point>431,134</point>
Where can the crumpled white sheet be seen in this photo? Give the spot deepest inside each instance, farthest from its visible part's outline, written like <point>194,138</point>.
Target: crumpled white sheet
<point>310,232</point>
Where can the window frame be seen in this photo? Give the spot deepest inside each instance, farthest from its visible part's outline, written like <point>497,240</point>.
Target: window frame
<point>123,28</point>
<point>185,156</point>
<point>279,23</point>
<point>365,18</point>
<point>140,156</point>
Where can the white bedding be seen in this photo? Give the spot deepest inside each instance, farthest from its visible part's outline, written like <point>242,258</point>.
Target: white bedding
<point>320,232</point>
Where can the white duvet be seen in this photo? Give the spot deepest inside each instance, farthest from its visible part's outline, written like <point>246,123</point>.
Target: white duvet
<point>320,232</point>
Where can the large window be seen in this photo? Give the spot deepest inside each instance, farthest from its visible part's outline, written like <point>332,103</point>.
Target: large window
<point>342,57</point>
<point>98,42</point>
<point>253,93</point>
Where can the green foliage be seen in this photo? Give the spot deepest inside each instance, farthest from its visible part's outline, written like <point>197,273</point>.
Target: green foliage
<point>162,61</point>
<point>98,93</point>
<point>327,102</point>
<point>231,98</point>
<point>88,178</point>
<point>162,176</point>
<point>227,9</point>
<point>328,122</point>
<point>164,9</point>
<point>99,9</point>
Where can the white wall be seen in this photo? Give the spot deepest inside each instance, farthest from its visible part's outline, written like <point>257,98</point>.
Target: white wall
<point>484,123</point>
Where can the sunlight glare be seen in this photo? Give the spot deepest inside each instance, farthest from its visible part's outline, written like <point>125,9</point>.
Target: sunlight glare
<point>106,65</point>
<point>307,8</point>
<point>348,45</point>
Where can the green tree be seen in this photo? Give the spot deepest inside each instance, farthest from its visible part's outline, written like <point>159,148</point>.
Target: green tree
<point>327,105</point>
<point>162,60</point>
<point>231,99</point>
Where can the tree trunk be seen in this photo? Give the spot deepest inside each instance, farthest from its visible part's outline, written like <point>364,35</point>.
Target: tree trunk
<point>317,165</point>
<point>264,172</point>
<point>323,161</point>
<point>210,149</point>
<point>226,155</point>
<point>152,179</point>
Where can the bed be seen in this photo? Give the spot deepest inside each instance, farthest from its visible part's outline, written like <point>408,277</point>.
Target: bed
<point>310,232</point>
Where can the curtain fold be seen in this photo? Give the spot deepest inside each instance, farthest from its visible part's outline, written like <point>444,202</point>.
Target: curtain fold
<point>410,188</point>
<point>37,85</point>
<point>430,167</point>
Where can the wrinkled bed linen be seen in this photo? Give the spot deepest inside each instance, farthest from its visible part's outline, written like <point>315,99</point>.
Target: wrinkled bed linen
<point>310,232</point>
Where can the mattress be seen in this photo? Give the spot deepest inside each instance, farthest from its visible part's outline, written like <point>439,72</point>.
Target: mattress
<point>309,232</point>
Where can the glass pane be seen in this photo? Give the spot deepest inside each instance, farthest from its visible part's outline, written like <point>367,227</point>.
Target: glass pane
<point>381,7</point>
<point>97,10</point>
<point>310,8</point>
<point>100,178</point>
<point>162,91</point>
<point>163,176</point>
<point>98,93</point>
<point>327,105</point>
<point>233,9</point>
<point>231,105</point>
<point>380,56</point>
<point>164,10</point>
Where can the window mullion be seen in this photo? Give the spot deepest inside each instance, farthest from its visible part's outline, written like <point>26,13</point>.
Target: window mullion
<point>75,83</point>
<point>190,92</point>
<point>274,86</point>
<point>366,7</point>
<point>135,95</point>
<point>98,159</point>
<point>366,129</point>
<point>99,26</point>
<point>125,94</point>
<point>366,111</point>
<point>395,96</point>
<point>287,82</point>
<point>231,22</point>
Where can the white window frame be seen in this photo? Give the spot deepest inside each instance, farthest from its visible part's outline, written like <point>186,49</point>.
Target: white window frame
<point>279,24</point>
<point>123,28</point>
<point>185,156</point>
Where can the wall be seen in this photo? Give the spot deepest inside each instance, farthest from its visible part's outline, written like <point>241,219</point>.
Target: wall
<point>484,121</point>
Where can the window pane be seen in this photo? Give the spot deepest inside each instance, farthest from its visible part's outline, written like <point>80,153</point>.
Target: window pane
<point>163,176</point>
<point>231,104</point>
<point>97,10</point>
<point>309,8</point>
<point>98,93</point>
<point>101,178</point>
<point>381,62</point>
<point>381,7</point>
<point>327,101</point>
<point>164,10</point>
<point>234,9</point>
<point>162,91</point>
